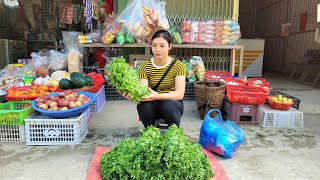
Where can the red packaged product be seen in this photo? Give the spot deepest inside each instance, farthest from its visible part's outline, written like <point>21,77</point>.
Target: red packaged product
<point>186,37</point>
<point>202,38</point>
<point>202,27</point>
<point>217,42</point>
<point>195,27</point>
<point>186,26</point>
<point>194,38</point>
<point>218,38</point>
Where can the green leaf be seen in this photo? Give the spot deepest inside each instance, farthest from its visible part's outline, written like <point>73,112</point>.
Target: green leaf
<point>158,157</point>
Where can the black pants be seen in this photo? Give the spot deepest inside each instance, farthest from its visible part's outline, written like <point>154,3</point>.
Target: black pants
<point>169,110</point>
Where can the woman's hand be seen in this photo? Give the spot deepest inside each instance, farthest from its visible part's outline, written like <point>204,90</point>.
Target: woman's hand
<point>126,95</point>
<point>153,96</point>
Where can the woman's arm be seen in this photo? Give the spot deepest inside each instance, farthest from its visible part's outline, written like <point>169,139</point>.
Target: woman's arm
<point>178,94</point>
<point>144,82</point>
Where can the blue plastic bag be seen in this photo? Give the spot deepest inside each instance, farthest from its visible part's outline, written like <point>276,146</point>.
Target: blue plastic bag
<point>220,137</point>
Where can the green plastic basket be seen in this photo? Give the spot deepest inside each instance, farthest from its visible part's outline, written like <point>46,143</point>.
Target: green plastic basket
<point>13,112</point>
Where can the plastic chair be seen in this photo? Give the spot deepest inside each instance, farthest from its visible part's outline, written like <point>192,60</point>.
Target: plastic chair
<point>161,124</point>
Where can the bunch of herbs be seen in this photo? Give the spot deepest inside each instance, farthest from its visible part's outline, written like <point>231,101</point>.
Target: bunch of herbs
<point>154,156</point>
<point>125,80</point>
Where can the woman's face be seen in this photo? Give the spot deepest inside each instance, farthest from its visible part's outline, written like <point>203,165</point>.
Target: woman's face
<point>160,48</point>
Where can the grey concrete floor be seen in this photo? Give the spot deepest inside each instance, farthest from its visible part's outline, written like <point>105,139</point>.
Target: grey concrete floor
<point>267,153</point>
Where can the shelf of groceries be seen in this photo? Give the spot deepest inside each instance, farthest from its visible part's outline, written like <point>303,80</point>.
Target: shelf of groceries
<point>233,49</point>
<point>191,46</point>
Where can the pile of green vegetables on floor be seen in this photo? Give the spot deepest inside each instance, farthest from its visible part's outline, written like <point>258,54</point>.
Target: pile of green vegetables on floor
<point>125,79</point>
<point>156,156</point>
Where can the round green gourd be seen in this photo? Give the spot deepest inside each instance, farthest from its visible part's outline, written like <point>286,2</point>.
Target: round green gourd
<point>65,84</point>
<point>88,80</point>
<point>77,79</point>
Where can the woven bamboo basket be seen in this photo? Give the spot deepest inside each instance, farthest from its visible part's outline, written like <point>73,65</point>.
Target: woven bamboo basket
<point>215,91</point>
<point>201,98</point>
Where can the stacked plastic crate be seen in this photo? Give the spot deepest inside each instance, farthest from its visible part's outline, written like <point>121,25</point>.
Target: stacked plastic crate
<point>242,103</point>
<point>42,130</point>
<point>291,118</point>
<point>12,117</point>
<point>98,105</point>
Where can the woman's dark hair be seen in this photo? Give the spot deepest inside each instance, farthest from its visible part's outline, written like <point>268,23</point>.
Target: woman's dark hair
<point>164,34</point>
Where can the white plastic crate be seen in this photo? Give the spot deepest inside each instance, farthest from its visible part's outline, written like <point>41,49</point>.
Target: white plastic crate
<point>12,133</point>
<point>41,130</point>
<point>279,119</point>
<point>98,104</point>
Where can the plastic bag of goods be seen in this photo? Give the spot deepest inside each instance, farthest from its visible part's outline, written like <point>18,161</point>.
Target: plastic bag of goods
<point>109,35</point>
<point>74,50</point>
<point>58,60</point>
<point>185,26</point>
<point>186,37</point>
<point>220,137</point>
<point>143,17</point>
<point>190,72</point>
<point>201,38</point>
<point>120,38</point>
<point>198,67</point>
<point>202,26</point>
<point>194,38</point>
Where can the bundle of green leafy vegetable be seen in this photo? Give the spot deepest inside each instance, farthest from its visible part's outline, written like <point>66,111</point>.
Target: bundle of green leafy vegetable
<point>154,156</point>
<point>125,80</point>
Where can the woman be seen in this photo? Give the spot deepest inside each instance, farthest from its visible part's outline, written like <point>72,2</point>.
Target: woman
<point>165,99</point>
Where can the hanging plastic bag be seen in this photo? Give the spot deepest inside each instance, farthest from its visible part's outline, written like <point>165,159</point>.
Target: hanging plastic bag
<point>58,60</point>
<point>143,17</point>
<point>74,50</point>
<point>190,72</point>
<point>198,67</point>
<point>39,60</point>
<point>223,138</point>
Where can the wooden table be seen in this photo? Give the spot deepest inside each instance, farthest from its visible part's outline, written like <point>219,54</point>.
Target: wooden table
<point>233,49</point>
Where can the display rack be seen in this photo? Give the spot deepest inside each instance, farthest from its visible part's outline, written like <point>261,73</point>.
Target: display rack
<point>233,49</point>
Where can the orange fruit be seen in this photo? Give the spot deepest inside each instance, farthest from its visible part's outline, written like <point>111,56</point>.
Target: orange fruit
<point>45,88</point>
<point>17,93</point>
<point>11,92</point>
<point>33,89</point>
<point>55,88</point>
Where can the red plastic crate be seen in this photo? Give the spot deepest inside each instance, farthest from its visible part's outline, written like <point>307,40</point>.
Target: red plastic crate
<point>246,94</point>
<point>222,75</point>
<point>266,87</point>
<point>240,82</point>
<point>251,80</point>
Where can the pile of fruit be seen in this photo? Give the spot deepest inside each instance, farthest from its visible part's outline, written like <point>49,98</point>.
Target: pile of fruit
<point>281,99</point>
<point>64,101</point>
<point>279,102</point>
<point>30,92</point>
<point>91,82</point>
<point>9,117</point>
<point>77,80</point>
